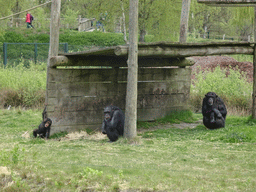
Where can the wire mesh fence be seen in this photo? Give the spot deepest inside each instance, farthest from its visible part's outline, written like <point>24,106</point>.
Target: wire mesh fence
<point>14,53</point>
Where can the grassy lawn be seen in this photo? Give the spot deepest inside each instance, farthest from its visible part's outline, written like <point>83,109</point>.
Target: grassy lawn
<point>168,159</point>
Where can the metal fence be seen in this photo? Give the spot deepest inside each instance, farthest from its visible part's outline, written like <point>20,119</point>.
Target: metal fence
<point>36,52</point>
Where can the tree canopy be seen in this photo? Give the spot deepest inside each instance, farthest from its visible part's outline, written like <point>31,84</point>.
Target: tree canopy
<point>160,19</point>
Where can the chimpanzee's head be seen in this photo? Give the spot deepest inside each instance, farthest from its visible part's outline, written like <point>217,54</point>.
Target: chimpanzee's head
<point>211,98</point>
<point>108,112</point>
<point>47,122</point>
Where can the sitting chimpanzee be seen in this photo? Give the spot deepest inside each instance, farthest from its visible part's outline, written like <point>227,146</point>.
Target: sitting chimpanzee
<point>113,124</point>
<point>44,128</point>
<point>214,111</point>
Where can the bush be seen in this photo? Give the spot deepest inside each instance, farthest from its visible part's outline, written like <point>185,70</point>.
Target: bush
<point>13,37</point>
<point>232,88</point>
<point>95,38</point>
<point>71,37</point>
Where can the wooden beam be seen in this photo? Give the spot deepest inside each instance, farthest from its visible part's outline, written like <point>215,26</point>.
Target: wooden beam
<point>123,50</point>
<point>58,61</point>
<point>231,5</point>
<point>63,61</point>
<point>227,1</point>
<point>187,51</point>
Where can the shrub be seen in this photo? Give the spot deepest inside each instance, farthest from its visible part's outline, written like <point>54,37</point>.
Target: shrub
<point>13,37</point>
<point>232,88</point>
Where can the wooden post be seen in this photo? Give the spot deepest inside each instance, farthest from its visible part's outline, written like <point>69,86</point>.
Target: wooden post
<point>254,71</point>
<point>184,20</point>
<point>130,125</point>
<point>54,37</point>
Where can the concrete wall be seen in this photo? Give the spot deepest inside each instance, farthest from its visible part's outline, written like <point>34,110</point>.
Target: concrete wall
<point>76,97</point>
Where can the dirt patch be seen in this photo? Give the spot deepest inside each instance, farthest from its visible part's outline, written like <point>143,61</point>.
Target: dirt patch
<point>4,170</point>
<point>225,62</point>
<point>83,135</point>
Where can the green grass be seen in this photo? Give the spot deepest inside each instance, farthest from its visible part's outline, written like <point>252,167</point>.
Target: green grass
<point>169,159</point>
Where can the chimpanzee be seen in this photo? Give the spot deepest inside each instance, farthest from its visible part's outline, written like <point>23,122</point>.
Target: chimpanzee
<point>113,123</point>
<point>214,111</point>
<point>45,127</point>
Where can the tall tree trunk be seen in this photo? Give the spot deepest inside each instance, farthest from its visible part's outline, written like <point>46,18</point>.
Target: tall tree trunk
<point>142,35</point>
<point>184,20</point>
<point>130,126</point>
<point>124,25</point>
<point>17,9</point>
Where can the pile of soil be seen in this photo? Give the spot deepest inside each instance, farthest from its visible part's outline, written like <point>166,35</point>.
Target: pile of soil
<point>225,62</point>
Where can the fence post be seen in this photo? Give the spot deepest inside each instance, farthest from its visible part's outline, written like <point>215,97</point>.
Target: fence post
<point>66,48</point>
<point>5,53</point>
<point>35,52</point>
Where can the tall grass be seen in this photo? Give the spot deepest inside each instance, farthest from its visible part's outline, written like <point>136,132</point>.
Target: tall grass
<point>23,86</point>
<point>233,89</point>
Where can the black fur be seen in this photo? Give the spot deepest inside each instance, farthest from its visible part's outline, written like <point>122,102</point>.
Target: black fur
<point>42,131</point>
<point>114,126</point>
<point>214,111</point>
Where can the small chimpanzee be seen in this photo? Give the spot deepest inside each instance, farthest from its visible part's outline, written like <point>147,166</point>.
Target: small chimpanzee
<point>113,123</point>
<point>45,127</point>
<point>214,111</point>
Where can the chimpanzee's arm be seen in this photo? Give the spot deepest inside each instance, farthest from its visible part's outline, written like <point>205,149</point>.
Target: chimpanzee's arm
<point>221,107</point>
<point>223,110</point>
<point>48,129</point>
<point>103,127</point>
<point>115,119</point>
<point>217,112</point>
<point>205,109</point>
<point>42,125</point>
<point>44,114</point>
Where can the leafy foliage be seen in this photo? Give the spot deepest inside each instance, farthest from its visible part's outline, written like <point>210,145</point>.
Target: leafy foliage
<point>160,18</point>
